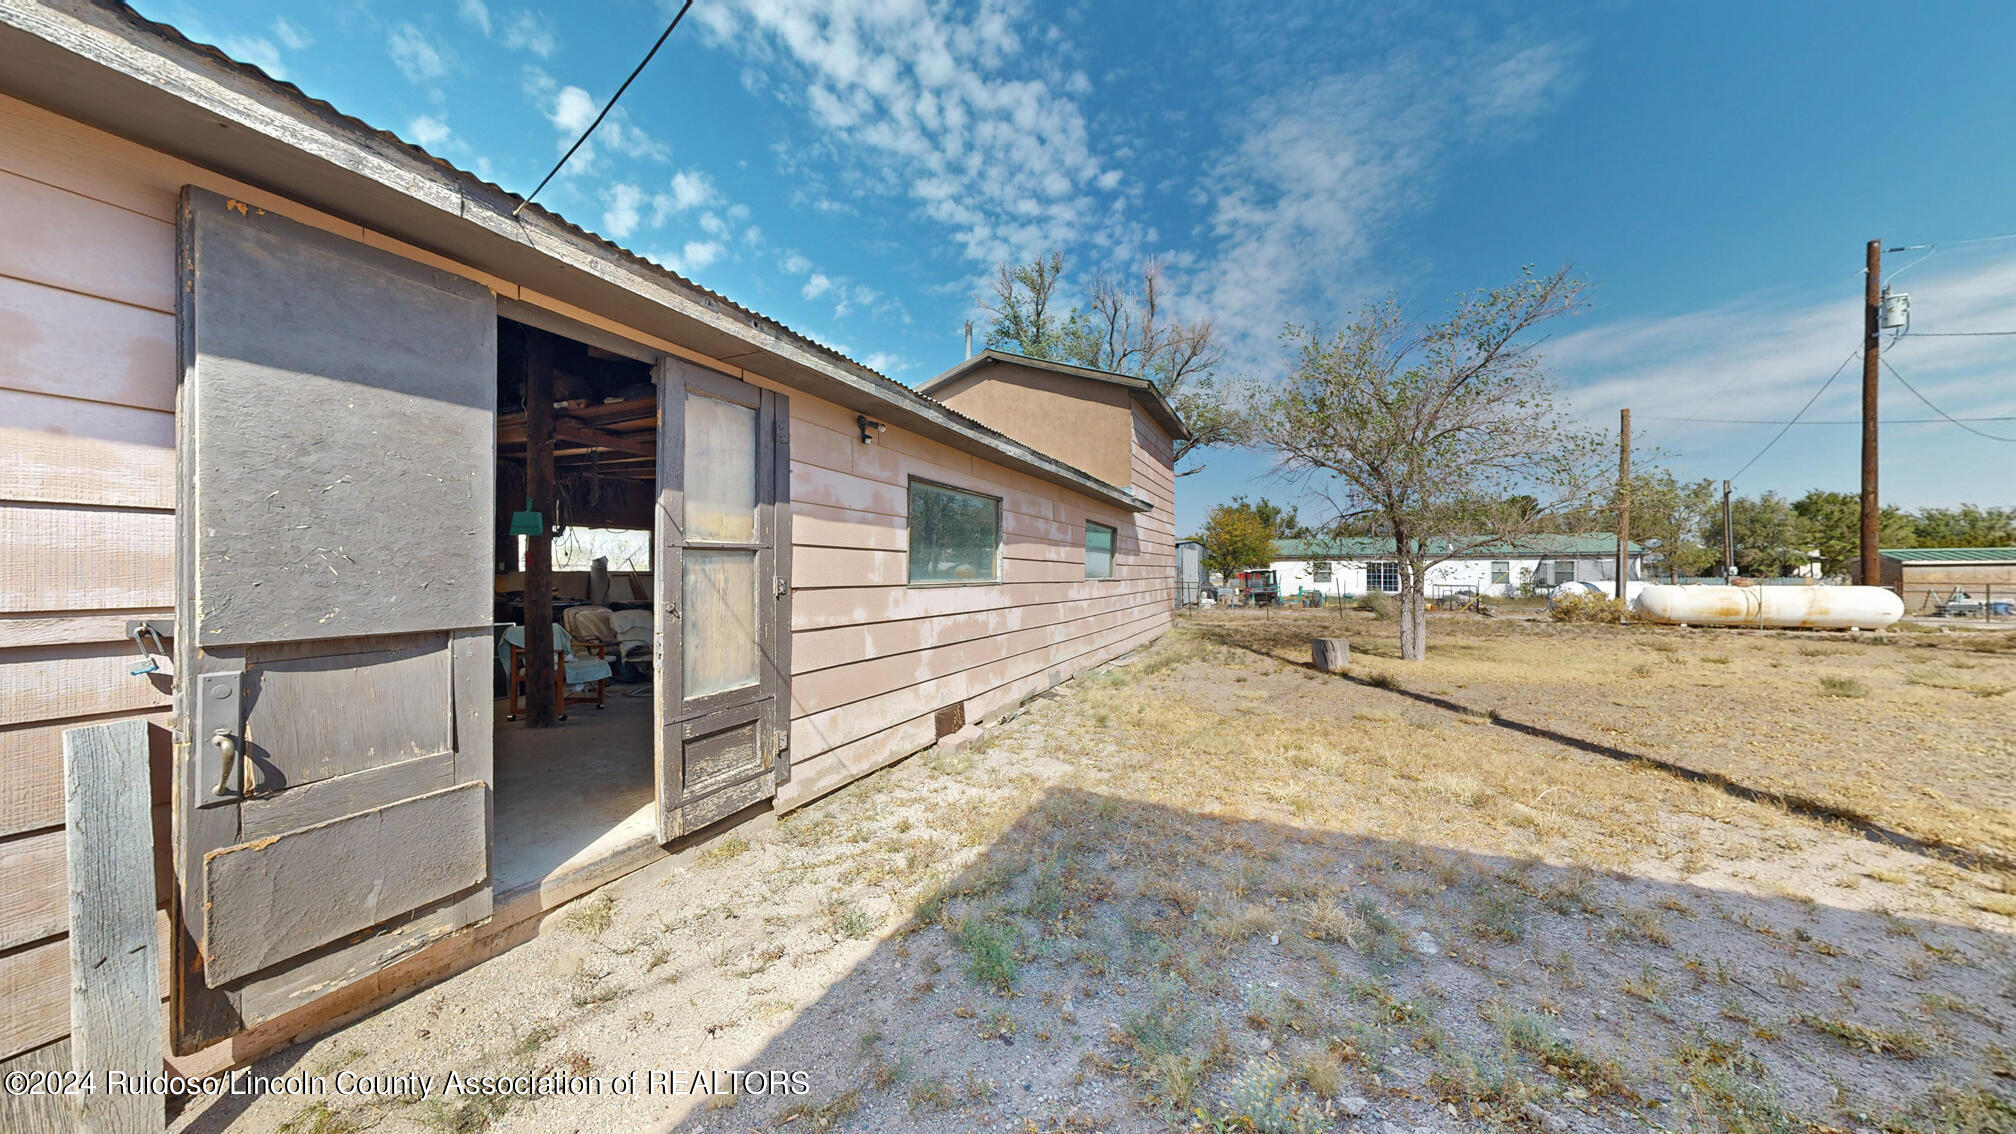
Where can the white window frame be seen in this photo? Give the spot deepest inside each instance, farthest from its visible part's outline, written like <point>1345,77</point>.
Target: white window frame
<point>1377,569</point>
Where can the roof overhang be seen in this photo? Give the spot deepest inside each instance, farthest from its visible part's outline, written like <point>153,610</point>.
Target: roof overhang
<point>102,64</point>
<point>1144,391</point>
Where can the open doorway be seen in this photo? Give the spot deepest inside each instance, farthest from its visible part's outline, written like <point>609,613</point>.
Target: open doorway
<point>574,784</point>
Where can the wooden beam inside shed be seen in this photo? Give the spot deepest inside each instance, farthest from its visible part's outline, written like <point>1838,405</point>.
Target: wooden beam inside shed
<point>568,429</point>
<point>541,691</point>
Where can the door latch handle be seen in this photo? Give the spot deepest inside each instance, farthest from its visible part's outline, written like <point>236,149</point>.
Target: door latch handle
<point>672,611</point>
<point>227,747</point>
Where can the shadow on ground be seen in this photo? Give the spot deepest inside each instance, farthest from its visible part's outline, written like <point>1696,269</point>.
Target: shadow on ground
<point>1111,964</point>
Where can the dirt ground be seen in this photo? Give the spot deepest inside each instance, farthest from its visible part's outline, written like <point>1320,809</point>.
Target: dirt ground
<point>1211,889</point>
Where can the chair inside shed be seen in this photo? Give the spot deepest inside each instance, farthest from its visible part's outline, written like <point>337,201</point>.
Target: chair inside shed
<point>573,786</point>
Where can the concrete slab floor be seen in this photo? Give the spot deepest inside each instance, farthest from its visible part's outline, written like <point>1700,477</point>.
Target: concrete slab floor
<point>575,793</point>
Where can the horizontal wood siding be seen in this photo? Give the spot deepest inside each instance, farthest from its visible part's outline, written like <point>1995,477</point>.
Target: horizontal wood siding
<point>874,659</point>
<point>87,492</point>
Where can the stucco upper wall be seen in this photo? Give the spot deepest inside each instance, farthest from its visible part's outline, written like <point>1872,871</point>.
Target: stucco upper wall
<point>1085,423</point>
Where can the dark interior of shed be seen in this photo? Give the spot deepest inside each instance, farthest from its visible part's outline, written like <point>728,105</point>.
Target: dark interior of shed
<point>577,442</point>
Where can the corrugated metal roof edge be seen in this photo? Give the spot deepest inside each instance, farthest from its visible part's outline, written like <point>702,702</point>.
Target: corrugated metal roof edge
<point>330,115</point>
<point>1951,554</point>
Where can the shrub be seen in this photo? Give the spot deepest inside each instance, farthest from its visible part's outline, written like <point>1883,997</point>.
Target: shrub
<point>1379,603</point>
<point>1843,687</point>
<point>1585,608</point>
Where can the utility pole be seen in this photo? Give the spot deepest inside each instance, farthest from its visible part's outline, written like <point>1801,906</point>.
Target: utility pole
<point>1728,537</point>
<point>1872,331</point>
<point>1623,501</point>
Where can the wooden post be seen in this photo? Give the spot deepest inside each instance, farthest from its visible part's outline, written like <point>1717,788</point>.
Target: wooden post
<point>1623,504</point>
<point>1872,342</point>
<point>542,708</point>
<point>115,992</point>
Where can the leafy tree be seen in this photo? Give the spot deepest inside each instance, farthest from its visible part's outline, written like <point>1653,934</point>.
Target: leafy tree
<point>1235,539</point>
<point>1281,523</point>
<point>1127,329</point>
<point>1965,526</point>
<point>1831,524</point>
<point>1025,316</point>
<point>1770,537</point>
<point>1428,431</point>
<point>1663,508</point>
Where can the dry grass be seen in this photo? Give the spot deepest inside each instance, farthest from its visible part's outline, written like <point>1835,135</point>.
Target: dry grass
<point>1907,732</point>
<point>1213,890</point>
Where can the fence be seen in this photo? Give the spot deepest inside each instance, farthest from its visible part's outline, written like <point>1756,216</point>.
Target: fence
<point>1959,601</point>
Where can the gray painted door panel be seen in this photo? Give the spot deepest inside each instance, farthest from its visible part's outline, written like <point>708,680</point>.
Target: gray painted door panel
<point>720,750</point>
<point>337,459</point>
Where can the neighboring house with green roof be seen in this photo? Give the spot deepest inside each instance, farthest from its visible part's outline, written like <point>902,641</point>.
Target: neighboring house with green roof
<point>1927,577</point>
<point>1355,565</point>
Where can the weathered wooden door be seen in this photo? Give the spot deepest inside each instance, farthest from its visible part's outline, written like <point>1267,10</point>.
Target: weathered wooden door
<point>337,455</point>
<point>723,577</point>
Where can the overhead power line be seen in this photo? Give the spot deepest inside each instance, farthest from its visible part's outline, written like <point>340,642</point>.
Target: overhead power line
<point>1936,409</point>
<point>1953,243</point>
<point>1795,417</point>
<point>611,105</point>
<point>1956,334</point>
<point>1842,421</point>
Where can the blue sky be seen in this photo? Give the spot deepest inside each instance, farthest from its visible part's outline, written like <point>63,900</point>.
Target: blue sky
<point>857,171</point>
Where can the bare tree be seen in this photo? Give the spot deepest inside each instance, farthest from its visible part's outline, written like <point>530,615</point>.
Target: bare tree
<point>1444,437</point>
<point>1127,330</point>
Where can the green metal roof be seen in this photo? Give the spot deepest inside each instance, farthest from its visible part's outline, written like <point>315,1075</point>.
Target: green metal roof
<point>1951,554</point>
<point>1373,547</point>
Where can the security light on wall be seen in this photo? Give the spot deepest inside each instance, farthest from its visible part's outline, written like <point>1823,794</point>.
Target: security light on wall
<point>869,429</point>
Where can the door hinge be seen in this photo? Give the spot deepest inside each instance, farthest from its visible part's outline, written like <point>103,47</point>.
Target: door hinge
<point>783,588</point>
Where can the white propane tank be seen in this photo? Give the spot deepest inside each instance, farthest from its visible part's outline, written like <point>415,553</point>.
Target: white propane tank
<point>1783,608</point>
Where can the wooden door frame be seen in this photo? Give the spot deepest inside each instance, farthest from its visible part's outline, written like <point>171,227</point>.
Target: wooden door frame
<point>673,714</point>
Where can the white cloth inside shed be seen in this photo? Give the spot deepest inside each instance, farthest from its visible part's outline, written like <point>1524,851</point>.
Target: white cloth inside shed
<point>630,630</point>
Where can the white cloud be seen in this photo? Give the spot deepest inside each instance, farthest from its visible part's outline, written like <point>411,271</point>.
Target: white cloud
<point>258,51</point>
<point>947,104</point>
<point>416,56</point>
<point>571,109</point>
<point>1319,169</point>
<point>292,36</point>
<point>795,264</point>
<point>885,362</point>
<point>1685,376</point>
<point>697,254</point>
<point>625,209</point>
<point>522,30</point>
<point>476,14</point>
<point>428,131</point>
<point>817,286</point>
<point>690,189</point>
<point>529,31</point>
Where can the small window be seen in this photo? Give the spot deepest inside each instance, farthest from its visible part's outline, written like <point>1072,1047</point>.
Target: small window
<point>1382,577</point>
<point>1098,551</point>
<point>1320,573</point>
<point>955,537</point>
<point>1501,573</point>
